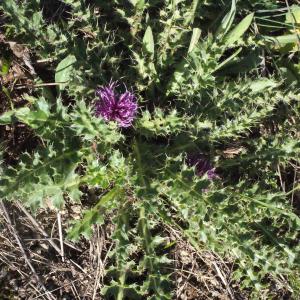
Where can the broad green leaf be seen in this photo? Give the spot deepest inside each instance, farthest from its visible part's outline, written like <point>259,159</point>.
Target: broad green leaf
<point>283,40</point>
<point>64,70</point>
<point>195,38</point>
<point>227,20</point>
<point>262,84</point>
<point>139,4</point>
<point>4,66</point>
<point>189,19</point>
<point>293,15</point>
<point>289,71</point>
<point>12,115</point>
<point>7,117</point>
<point>283,43</point>
<point>234,35</point>
<point>35,118</point>
<point>148,41</point>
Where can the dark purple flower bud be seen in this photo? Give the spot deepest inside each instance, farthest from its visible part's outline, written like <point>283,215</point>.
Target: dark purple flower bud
<point>202,166</point>
<point>114,107</point>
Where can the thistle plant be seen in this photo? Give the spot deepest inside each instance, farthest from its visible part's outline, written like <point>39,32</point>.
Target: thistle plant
<point>201,91</point>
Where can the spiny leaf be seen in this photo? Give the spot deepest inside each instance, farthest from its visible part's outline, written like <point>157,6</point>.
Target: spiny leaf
<point>93,216</point>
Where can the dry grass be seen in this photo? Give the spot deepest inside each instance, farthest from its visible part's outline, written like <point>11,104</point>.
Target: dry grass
<point>81,276</point>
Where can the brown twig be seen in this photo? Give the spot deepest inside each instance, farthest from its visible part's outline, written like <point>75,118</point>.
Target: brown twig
<point>280,178</point>
<point>26,257</point>
<point>62,252</point>
<point>223,279</point>
<point>59,288</point>
<point>22,86</point>
<point>44,233</point>
<point>99,269</point>
<point>37,226</point>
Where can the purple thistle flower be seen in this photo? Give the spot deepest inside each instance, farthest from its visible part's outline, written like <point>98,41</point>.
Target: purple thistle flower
<point>114,107</point>
<point>202,166</point>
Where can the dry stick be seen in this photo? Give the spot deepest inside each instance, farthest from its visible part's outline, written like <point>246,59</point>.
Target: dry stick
<point>180,290</point>
<point>221,275</point>
<point>5,254</point>
<point>44,233</point>
<point>294,182</point>
<point>191,285</point>
<point>14,231</point>
<point>37,226</point>
<point>52,231</point>
<point>99,245</point>
<point>13,266</point>
<point>60,236</point>
<point>105,258</point>
<point>22,86</point>
<point>53,239</point>
<point>74,290</point>
<point>59,288</point>
<point>46,60</point>
<point>280,178</point>
<point>38,292</point>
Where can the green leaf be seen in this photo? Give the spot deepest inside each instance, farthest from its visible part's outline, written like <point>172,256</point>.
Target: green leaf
<point>7,117</point>
<point>240,64</point>
<point>148,41</point>
<point>64,70</point>
<point>195,38</point>
<point>12,115</point>
<point>35,118</point>
<point>228,19</point>
<point>5,66</point>
<point>293,15</point>
<point>92,216</point>
<point>282,40</point>
<point>139,4</point>
<point>191,18</point>
<point>234,35</point>
<point>262,84</point>
<point>228,60</point>
<point>289,71</point>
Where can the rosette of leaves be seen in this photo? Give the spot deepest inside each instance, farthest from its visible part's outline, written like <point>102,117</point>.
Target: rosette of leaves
<point>183,68</point>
